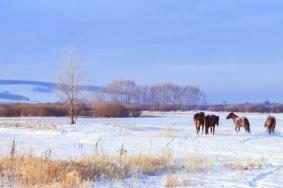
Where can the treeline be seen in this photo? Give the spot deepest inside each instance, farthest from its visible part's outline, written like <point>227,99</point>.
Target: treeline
<point>127,92</point>
<point>120,110</point>
<point>276,108</point>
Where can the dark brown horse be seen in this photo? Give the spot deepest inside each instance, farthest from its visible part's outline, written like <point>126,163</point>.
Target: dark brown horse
<point>239,122</point>
<point>210,122</point>
<point>199,121</point>
<point>270,124</point>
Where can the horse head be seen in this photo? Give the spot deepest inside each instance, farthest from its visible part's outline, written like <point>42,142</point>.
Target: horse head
<point>202,115</point>
<point>230,115</point>
<point>207,119</point>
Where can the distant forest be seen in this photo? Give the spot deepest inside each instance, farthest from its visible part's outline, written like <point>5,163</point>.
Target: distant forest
<point>127,92</point>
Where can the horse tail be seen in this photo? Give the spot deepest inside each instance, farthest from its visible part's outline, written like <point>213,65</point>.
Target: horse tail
<point>247,125</point>
<point>274,122</point>
<point>274,125</point>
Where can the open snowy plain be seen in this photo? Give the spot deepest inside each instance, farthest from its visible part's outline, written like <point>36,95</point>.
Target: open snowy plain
<point>235,159</point>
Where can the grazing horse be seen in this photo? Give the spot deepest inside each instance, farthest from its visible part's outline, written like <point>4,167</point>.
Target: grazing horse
<point>199,121</point>
<point>210,122</point>
<point>270,124</point>
<point>239,122</point>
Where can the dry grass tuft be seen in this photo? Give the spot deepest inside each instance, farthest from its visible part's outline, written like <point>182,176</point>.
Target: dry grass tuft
<point>170,131</point>
<point>31,124</point>
<point>197,162</point>
<point>172,181</point>
<point>100,165</point>
<point>246,165</point>
<point>28,171</point>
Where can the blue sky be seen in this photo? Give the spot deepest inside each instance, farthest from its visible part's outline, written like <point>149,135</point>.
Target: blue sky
<point>232,49</point>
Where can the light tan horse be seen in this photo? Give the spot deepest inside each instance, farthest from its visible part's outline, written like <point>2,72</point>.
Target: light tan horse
<point>239,122</point>
<point>270,124</point>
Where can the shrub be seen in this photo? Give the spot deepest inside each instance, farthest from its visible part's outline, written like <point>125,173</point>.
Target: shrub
<point>110,110</point>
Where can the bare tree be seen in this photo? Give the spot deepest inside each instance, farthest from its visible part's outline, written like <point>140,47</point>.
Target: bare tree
<point>100,96</point>
<point>122,91</point>
<point>192,95</point>
<point>129,89</point>
<point>70,82</point>
<point>114,91</point>
<point>155,95</point>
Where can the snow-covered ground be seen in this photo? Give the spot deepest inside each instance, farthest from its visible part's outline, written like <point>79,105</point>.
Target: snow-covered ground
<point>149,135</point>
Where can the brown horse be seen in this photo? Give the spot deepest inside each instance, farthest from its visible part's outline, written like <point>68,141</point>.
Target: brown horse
<point>239,122</point>
<point>270,124</point>
<point>199,121</point>
<point>210,122</point>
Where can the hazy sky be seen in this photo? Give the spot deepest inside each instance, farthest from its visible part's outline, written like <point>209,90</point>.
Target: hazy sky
<point>232,49</point>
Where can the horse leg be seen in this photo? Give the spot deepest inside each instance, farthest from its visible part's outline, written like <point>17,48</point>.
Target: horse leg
<point>273,128</point>
<point>236,129</point>
<point>197,128</point>
<point>213,129</point>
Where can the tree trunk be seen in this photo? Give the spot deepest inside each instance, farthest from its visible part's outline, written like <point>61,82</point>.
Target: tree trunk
<point>73,120</point>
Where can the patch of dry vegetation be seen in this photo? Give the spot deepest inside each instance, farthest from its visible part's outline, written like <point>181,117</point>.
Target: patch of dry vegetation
<point>99,165</point>
<point>168,132</point>
<point>27,170</point>
<point>172,181</point>
<point>246,165</point>
<point>29,124</point>
<point>197,162</point>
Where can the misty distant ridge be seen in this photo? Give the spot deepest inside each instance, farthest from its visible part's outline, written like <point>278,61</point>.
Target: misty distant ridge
<point>27,82</point>
<point>30,91</point>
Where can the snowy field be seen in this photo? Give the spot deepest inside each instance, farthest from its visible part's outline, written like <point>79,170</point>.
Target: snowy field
<point>229,152</point>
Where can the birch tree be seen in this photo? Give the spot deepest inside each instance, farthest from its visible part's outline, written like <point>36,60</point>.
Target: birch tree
<point>70,82</point>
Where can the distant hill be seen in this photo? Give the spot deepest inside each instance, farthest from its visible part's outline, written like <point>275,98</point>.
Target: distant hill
<point>30,91</point>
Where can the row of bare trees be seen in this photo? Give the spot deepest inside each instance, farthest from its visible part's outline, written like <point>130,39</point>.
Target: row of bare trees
<point>128,92</point>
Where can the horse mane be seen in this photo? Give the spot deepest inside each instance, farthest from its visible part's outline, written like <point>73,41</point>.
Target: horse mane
<point>233,114</point>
